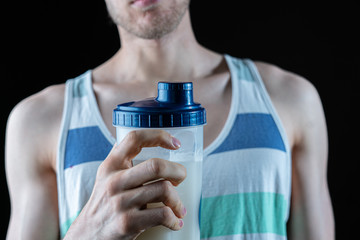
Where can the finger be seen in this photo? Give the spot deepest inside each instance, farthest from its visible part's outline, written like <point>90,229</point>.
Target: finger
<point>151,170</point>
<point>122,155</point>
<point>104,167</point>
<point>161,191</point>
<point>152,217</point>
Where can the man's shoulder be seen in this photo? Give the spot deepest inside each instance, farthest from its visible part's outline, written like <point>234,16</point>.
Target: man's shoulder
<point>294,97</point>
<point>286,86</point>
<point>40,107</point>
<point>39,115</point>
<point>34,125</point>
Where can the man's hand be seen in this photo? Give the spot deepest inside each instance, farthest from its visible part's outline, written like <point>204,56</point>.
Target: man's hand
<point>117,206</point>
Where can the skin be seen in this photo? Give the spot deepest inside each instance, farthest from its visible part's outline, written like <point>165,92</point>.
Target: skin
<point>171,53</point>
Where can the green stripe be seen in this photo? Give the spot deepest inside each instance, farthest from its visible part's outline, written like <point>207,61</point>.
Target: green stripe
<point>66,225</point>
<point>243,213</point>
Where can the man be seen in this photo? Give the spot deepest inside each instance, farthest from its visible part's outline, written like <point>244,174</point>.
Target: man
<point>266,134</point>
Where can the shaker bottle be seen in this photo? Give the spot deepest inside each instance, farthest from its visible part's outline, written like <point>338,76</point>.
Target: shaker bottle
<point>174,111</point>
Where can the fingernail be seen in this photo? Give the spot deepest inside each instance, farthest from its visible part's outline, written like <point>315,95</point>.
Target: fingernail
<point>176,143</point>
<point>184,211</point>
<point>181,223</point>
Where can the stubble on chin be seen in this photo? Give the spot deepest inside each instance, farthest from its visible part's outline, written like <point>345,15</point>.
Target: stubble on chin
<point>153,22</point>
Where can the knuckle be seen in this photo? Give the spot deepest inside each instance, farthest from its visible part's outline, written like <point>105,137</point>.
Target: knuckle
<point>111,187</point>
<point>171,197</point>
<point>167,215</point>
<point>183,171</point>
<point>167,187</point>
<point>169,218</point>
<point>104,168</point>
<point>156,166</point>
<point>124,223</point>
<point>160,137</point>
<point>168,190</point>
<point>131,137</point>
<point>120,202</point>
<point>164,135</point>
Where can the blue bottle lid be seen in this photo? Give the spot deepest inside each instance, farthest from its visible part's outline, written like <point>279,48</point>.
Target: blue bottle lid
<point>173,107</point>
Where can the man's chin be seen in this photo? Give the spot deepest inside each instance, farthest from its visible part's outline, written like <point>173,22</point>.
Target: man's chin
<point>154,21</point>
<point>150,33</point>
<point>152,25</point>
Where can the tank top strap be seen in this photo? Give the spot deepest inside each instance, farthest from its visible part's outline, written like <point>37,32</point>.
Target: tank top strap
<point>84,143</point>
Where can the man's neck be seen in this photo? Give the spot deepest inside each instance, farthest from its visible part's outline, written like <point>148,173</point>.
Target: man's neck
<point>175,57</point>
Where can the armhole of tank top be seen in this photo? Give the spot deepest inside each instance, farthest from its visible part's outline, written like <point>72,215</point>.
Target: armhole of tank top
<point>270,106</point>
<point>232,112</point>
<point>267,100</point>
<point>94,107</point>
<point>65,121</point>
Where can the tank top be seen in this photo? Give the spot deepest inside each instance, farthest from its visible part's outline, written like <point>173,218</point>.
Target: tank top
<point>246,169</point>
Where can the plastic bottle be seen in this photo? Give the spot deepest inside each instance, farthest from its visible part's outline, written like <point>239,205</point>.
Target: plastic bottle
<point>173,110</point>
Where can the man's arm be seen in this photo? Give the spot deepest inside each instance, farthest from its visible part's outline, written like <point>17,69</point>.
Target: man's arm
<point>115,209</point>
<point>311,210</point>
<point>31,140</point>
<point>301,112</point>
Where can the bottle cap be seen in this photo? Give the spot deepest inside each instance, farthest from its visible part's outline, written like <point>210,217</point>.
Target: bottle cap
<point>173,107</point>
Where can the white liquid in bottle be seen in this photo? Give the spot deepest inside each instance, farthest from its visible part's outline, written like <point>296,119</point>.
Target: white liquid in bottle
<point>190,193</point>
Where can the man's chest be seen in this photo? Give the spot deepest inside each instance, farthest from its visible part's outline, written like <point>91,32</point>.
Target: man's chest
<point>217,103</point>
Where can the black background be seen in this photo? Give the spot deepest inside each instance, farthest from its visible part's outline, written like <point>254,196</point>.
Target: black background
<point>47,42</point>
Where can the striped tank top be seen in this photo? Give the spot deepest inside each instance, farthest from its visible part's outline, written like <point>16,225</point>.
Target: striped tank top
<point>246,170</point>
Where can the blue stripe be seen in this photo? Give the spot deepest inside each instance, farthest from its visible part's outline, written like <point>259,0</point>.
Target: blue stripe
<point>252,130</point>
<point>85,145</point>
